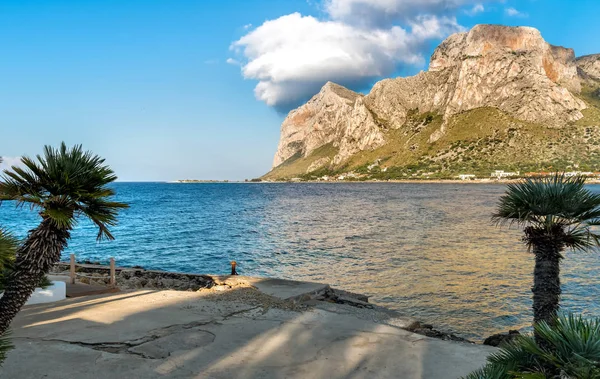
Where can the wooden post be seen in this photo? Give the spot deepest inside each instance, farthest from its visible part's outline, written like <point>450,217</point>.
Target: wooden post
<point>113,278</point>
<point>72,269</point>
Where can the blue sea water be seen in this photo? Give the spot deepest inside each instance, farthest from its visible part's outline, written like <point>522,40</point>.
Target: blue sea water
<point>427,250</point>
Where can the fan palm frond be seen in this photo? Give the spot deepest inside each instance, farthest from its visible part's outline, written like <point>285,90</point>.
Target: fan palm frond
<point>5,346</point>
<point>8,248</point>
<point>490,371</point>
<point>571,349</point>
<point>65,183</point>
<point>550,203</point>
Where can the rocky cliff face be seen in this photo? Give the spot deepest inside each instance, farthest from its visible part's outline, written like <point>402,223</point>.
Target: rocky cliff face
<point>335,115</point>
<point>589,67</point>
<point>511,69</point>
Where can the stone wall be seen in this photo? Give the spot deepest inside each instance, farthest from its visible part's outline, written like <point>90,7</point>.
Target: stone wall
<point>130,278</point>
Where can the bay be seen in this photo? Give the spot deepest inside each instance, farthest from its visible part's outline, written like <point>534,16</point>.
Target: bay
<point>427,250</point>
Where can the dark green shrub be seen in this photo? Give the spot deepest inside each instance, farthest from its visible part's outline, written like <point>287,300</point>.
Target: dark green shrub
<point>571,350</point>
<point>8,245</point>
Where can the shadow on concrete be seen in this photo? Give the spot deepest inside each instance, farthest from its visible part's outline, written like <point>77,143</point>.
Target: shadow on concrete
<point>168,334</point>
<point>56,311</point>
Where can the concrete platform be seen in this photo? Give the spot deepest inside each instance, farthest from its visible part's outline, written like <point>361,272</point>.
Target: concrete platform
<point>169,334</point>
<point>286,289</point>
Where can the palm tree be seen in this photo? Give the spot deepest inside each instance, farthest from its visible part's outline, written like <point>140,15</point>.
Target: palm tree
<point>8,247</point>
<point>557,213</point>
<point>63,184</point>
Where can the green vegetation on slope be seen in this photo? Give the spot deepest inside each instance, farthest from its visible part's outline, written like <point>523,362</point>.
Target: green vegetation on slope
<point>297,165</point>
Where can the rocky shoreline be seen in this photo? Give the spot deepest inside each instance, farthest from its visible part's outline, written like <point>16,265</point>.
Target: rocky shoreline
<point>135,278</point>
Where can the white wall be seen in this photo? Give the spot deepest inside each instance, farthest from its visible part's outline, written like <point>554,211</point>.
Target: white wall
<point>56,292</point>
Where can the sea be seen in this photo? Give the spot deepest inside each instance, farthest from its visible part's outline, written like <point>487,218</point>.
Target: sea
<point>426,250</point>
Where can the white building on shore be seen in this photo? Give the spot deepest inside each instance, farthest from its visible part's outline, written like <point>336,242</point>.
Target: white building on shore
<point>578,173</point>
<point>501,174</point>
<point>466,176</point>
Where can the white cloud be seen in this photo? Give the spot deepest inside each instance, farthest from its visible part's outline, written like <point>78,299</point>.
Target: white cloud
<point>357,42</point>
<point>247,26</point>
<point>387,12</point>
<point>232,61</point>
<point>424,28</point>
<point>512,12</point>
<point>8,162</point>
<point>477,8</point>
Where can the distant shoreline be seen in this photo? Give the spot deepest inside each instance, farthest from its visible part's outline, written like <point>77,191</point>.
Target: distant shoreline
<point>399,181</point>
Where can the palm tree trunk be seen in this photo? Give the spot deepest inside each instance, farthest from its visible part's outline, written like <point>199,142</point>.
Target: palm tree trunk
<point>42,248</point>
<point>546,288</point>
<point>547,247</point>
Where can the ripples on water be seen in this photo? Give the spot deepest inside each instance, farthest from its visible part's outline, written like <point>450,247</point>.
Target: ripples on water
<point>427,250</point>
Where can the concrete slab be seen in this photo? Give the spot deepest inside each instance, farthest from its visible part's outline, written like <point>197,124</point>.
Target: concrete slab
<point>168,334</point>
<point>119,318</point>
<point>178,342</point>
<point>286,289</point>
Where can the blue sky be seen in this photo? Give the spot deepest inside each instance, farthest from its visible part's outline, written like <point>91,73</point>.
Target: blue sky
<point>171,89</point>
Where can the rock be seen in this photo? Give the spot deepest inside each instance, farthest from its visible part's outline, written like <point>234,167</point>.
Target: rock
<point>407,323</point>
<point>221,288</point>
<point>352,302</point>
<point>88,262</point>
<point>434,333</point>
<point>498,339</point>
<point>353,295</point>
<point>138,278</point>
<point>512,69</point>
<point>589,67</point>
<point>424,329</point>
<point>133,283</point>
<point>341,297</point>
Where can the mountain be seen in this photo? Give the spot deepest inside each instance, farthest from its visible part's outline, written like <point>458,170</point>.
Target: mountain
<point>495,97</point>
